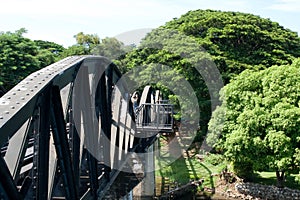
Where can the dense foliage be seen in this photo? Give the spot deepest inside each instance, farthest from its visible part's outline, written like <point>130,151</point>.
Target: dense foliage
<point>20,56</point>
<point>235,42</point>
<point>239,41</point>
<point>260,129</point>
<point>259,116</point>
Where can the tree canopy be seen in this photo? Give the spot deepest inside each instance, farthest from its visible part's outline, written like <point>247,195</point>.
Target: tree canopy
<point>239,41</point>
<point>20,56</point>
<point>87,44</point>
<point>260,129</point>
<point>235,42</point>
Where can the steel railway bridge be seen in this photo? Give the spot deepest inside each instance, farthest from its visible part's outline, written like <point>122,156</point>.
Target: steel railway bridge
<point>69,131</point>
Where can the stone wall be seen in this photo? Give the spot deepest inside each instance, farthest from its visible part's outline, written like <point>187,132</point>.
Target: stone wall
<point>257,191</point>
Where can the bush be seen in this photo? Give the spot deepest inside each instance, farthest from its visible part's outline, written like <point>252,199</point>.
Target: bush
<point>244,170</point>
<point>214,159</point>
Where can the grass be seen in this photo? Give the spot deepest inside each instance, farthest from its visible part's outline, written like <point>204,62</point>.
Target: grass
<point>185,169</point>
<point>189,167</point>
<point>269,178</point>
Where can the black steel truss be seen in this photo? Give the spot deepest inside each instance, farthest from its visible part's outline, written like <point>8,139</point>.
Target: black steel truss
<point>46,155</point>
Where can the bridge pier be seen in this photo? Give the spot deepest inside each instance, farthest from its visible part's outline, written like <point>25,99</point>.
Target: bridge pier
<point>145,190</point>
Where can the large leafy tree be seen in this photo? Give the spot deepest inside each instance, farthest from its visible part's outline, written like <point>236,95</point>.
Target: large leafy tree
<point>110,48</point>
<point>87,40</point>
<point>260,129</point>
<point>20,56</point>
<point>87,44</point>
<point>235,41</point>
<point>17,58</point>
<point>186,57</point>
<point>48,52</point>
<point>84,45</point>
<point>239,41</point>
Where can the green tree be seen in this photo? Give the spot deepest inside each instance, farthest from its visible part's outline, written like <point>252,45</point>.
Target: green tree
<point>87,40</point>
<point>184,55</point>
<point>20,56</point>
<point>74,50</point>
<point>235,42</point>
<point>239,41</point>
<point>110,48</point>
<point>91,44</point>
<point>17,58</point>
<point>260,129</point>
<point>48,52</point>
<point>85,43</point>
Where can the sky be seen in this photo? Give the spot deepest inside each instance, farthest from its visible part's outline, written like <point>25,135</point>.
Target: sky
<point>59,20</point>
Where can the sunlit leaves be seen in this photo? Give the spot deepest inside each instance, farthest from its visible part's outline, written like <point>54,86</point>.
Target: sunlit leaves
<point>261,118</point>
<point>20,56</point>
<point>17,58</point>
<point>243,41</point>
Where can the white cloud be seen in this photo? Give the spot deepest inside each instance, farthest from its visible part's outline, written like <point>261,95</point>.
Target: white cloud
<point>286,5</point>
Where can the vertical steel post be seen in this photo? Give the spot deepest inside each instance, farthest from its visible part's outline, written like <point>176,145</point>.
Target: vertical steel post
<point>43,137</point>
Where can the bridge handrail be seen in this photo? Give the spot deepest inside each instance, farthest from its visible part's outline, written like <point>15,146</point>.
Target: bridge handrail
<point>161,116</point>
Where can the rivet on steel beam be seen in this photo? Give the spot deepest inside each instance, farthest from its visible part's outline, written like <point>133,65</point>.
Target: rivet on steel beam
<point>22,98</point>
<point>6,112</point>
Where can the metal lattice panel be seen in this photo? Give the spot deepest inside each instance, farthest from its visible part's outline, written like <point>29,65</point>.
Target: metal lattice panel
<point>44,154</point>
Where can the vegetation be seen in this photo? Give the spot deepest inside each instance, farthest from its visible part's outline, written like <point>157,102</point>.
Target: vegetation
<point>239,41</point>
<point>261,121</point>
<point>20,56</point>
<point>259,116</point>
<point>269,178</point>
<point>188,168</point>
<point>235,42</point>
<point>92,44</point>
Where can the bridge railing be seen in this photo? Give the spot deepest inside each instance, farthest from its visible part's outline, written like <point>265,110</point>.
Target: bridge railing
<point>155,117</point>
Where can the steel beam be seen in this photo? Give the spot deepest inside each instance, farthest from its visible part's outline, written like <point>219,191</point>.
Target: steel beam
<point>61,144</point>
<point>7,182</point>
<point>17,148</point>
<point>43,146</point>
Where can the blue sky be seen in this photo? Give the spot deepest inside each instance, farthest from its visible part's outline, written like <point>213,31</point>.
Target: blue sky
<point>59,20</point>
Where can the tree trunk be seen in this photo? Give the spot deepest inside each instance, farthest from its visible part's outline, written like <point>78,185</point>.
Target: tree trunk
<point>280,178</point>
